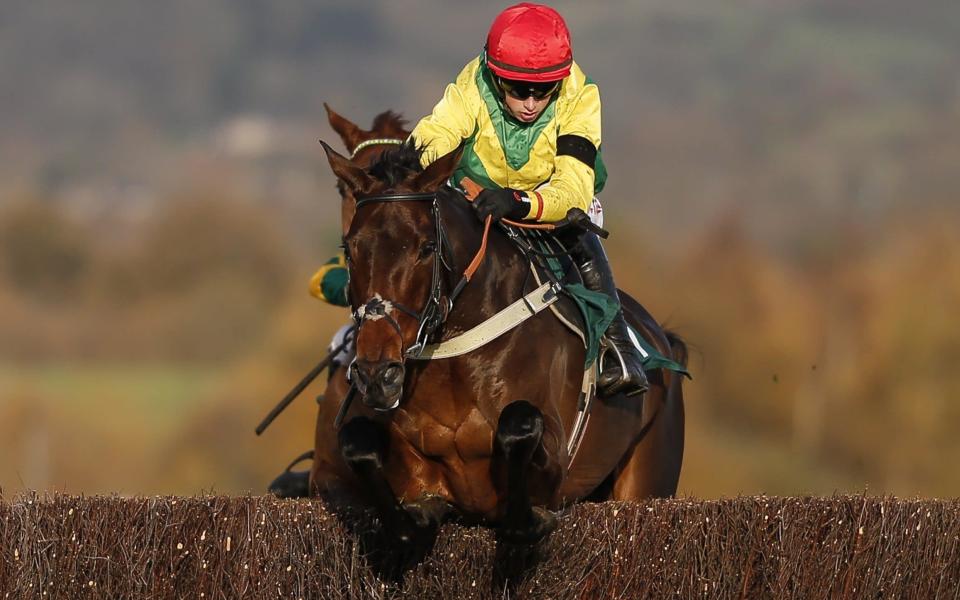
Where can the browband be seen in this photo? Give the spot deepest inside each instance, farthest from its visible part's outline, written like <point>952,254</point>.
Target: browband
<point>374,142</point>
<point>395,198</point>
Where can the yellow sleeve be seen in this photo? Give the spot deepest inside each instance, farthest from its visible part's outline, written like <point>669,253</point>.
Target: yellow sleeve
<point>453,119</point>
<point>571,185</point>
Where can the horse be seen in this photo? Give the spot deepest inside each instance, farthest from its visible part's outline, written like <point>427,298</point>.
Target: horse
<point>483,435</point>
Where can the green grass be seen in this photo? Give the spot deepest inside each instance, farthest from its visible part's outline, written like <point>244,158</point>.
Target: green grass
<point>160,393</point>
<point>96,428</point>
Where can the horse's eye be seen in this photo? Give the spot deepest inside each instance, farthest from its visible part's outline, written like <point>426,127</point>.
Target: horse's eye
<point>427,249</point>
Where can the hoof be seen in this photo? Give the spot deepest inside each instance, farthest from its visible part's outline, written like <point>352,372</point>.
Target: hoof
<point>291,484</point>
<point>430,513</point>
<point>542,524</point>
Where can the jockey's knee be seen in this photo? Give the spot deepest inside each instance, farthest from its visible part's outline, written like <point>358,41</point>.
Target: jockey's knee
<point>595,212</point>
<point>345,355</point>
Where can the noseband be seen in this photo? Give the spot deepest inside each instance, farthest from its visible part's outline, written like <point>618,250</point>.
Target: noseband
<point>432,315</point>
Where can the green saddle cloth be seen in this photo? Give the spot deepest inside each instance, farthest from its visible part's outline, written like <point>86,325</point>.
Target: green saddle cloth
<point>598,311</point>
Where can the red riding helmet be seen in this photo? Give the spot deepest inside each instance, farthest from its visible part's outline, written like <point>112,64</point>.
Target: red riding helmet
<point>529,42</point>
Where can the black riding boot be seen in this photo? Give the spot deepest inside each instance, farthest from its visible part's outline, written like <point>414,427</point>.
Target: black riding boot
<point>624,371</point>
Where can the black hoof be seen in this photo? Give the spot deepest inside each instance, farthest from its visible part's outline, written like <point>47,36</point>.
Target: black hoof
<point>541,524</point>
<point>291,484</point>
<point>430,513</point>
<point>519,550</point>
<point>519,431</point>
<point>363,444</point>
<point>399,548</point>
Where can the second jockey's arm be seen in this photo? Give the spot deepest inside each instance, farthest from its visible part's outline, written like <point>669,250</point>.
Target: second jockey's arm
<point>329,283</point>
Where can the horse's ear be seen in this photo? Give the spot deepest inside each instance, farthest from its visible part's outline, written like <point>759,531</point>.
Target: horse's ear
<point>348,131</point>
<point>439,170</point>
<point>353,176</point>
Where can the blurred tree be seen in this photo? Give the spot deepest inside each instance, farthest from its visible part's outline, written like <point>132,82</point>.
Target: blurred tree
<point>43,254</point>
<point>207,234</point>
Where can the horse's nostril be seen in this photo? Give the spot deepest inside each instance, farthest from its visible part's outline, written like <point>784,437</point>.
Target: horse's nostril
<point>359,375</point>
<point>392,375</point>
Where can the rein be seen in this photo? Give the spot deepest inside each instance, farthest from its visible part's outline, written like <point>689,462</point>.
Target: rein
<point>574,217</point>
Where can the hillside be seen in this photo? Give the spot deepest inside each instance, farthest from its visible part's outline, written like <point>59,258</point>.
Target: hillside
<point>793,110</point>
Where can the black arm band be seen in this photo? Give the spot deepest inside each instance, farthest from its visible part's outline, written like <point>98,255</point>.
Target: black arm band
<point>578,147</point>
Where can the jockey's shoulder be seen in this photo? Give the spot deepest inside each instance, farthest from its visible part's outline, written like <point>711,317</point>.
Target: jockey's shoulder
<point>576,81</point>
<point>467,77</point>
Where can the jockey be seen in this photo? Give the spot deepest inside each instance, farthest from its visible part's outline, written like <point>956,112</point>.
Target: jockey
<point>531,121</point>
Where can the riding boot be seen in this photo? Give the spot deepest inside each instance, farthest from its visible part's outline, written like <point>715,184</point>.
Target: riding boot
<point>624,373</point>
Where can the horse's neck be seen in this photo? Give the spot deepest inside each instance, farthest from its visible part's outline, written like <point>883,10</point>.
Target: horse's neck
<point>497,282</point>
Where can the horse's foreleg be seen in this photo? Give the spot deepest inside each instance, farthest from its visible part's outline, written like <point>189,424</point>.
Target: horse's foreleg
<point>409,530</point>
<point>363,444</point>
<point>519,435</point>
<point>330,477</point>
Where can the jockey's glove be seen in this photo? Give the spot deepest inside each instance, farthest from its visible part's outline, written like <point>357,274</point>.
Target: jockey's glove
<point>502,203</point>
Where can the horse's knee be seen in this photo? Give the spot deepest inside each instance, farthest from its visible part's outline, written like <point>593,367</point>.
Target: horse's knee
<point>520,429</point>
<point>363,444</point>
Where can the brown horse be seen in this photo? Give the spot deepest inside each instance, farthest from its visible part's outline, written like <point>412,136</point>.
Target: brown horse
<point>484,433</point>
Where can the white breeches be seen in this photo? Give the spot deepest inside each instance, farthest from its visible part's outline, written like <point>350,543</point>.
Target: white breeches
<point>595,212</point>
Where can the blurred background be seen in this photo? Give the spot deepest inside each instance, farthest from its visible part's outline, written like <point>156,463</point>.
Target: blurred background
<point>783,192</point>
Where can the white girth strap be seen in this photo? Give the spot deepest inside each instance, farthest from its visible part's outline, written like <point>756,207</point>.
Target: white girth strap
<point>494,327</point>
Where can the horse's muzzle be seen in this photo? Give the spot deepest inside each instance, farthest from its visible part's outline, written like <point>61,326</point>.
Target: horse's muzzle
<point>380,383</point>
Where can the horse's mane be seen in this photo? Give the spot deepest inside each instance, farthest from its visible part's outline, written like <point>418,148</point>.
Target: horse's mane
<point>389,123</point>
<point>395,166</point>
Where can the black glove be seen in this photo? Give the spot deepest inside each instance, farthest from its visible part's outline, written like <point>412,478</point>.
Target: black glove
<point>501,203</point>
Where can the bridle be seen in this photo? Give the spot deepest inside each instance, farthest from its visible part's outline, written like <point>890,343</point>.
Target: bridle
<point>435,310</point>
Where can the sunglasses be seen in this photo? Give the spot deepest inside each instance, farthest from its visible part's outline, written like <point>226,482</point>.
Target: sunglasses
<point>521,90</point>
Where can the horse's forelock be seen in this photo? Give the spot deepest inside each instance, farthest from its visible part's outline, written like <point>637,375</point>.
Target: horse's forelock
<point>396,166</point>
